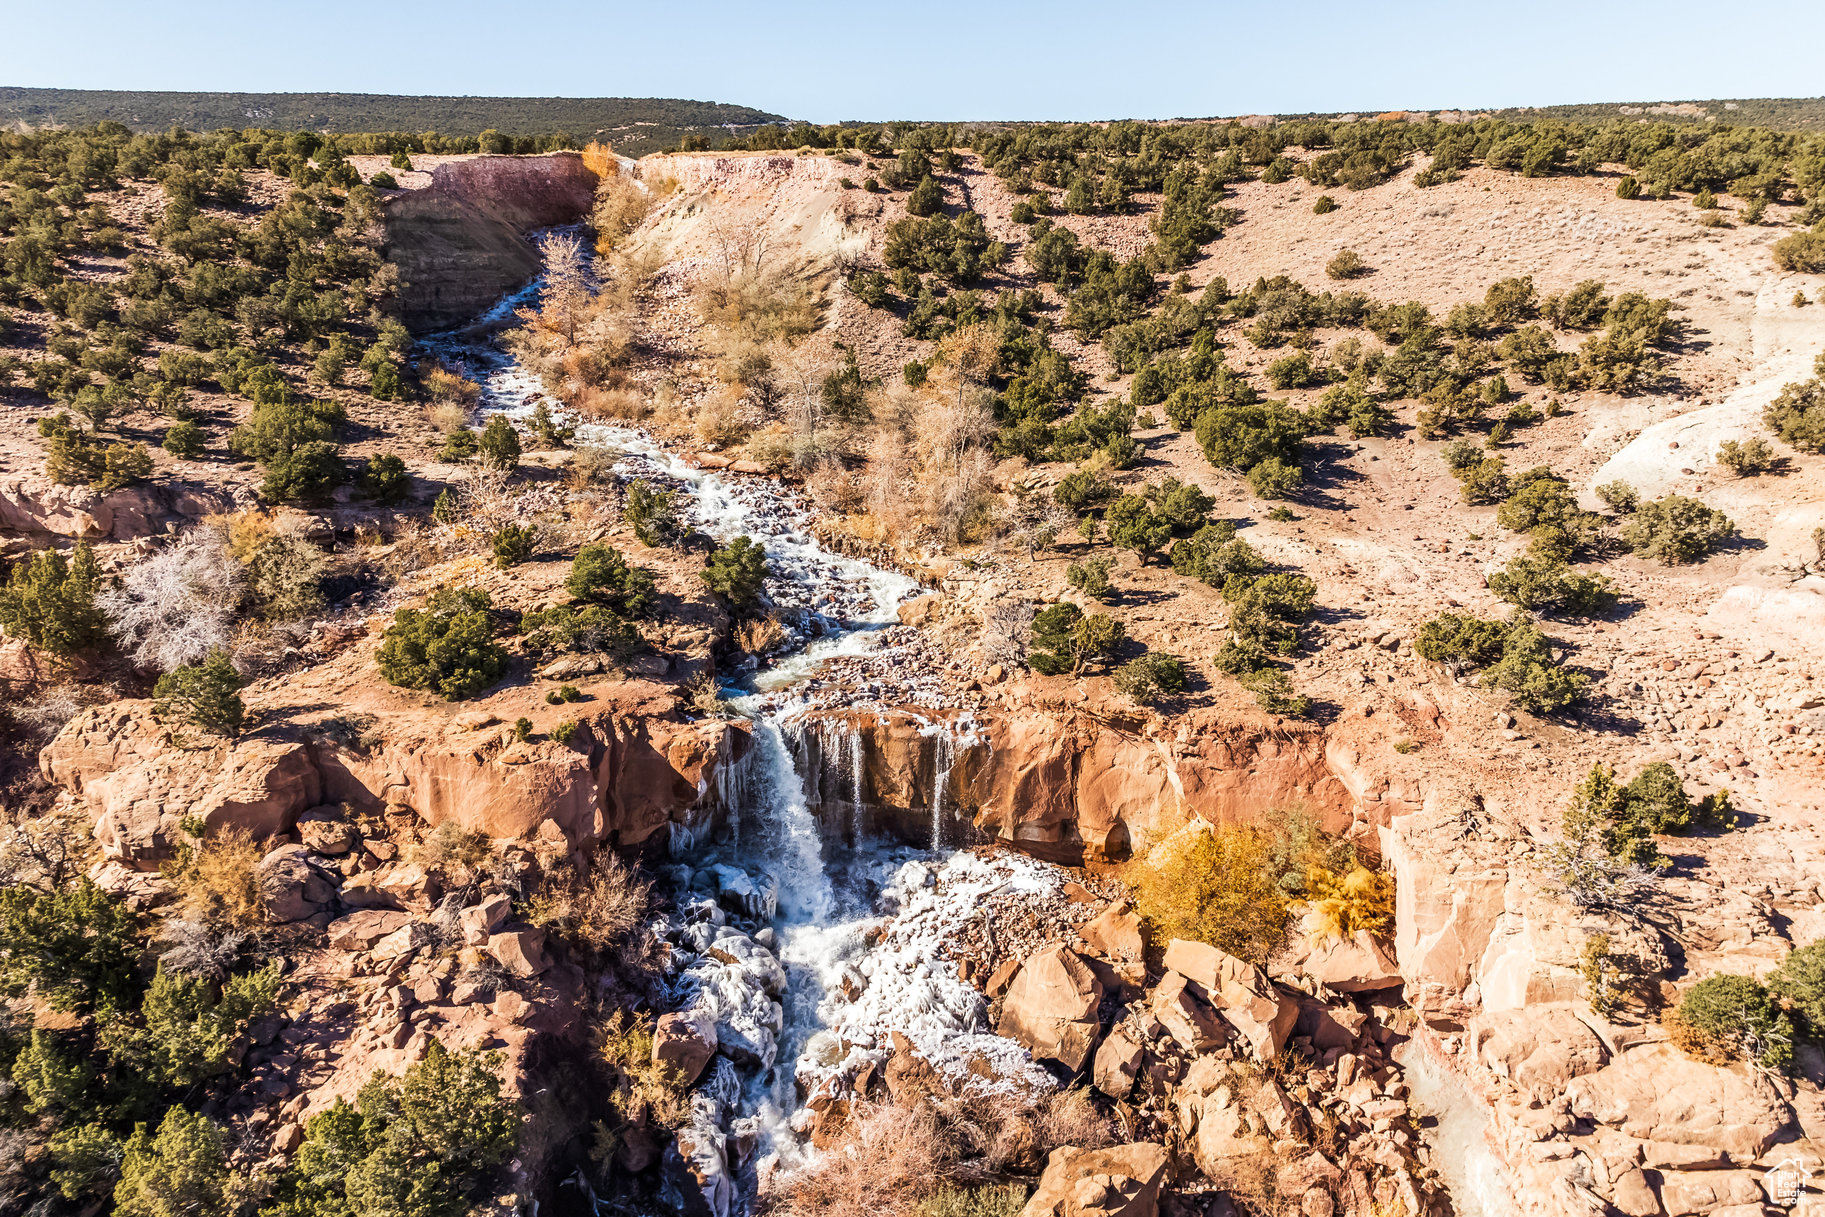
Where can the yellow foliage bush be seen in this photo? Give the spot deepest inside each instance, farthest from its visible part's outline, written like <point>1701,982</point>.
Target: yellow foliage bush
<point>1237,886</point>
<point>1216,886</point>
<point>1358,899</point>
<point>217,878</point>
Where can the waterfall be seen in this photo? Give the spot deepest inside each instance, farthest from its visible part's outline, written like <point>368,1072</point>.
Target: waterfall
<point>804,957</point>
<point>856,777</point>
<point>944,756</point>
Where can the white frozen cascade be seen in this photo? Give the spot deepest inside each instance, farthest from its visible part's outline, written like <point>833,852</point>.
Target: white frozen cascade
<point>805,955</point>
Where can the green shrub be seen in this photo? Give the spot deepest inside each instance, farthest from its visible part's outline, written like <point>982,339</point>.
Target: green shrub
<point>589,628</point>
<point>1182,505</point>
<point>193,1025</point>
<point>1800,981</point>
<point>522,729</point>
<point>183,1168</point>
<point>384,479</point>
<point>1348,264</point>
<point>1510,301</point>
<point>513,544</point>
<point>1293,371</point>
<point>927,198</point>
<point>1676,530</point>
<point>422,1145</point>
<point>1486,481</point>
<point>736,572</point>
<point>1628,187</point>
<point>1267,610</point>
<point>1214,553</point>
<point>306,474</point>
<point>1530,674</point>
<point>460,445</point>
<point>1797,416</point>
<point>654,515</point>
<point>1133,525</point>
<point>1064,640</point>
<point>1082,488</point>
<point>1619,497</point>
<point>499,444</point>
<point>1732,1018</point>
<point>185,440</point>
<point>1541,582</point>
<point>1091,577</point>
<point>50,601</point>
<point>447,646</point>
<point>1274,693</point>
<point>74,457</point>
<point>75,949</point>
<point>600,573</point>
<point>1324,206</point>
<point>1151,677</point>
<point>1274,478</point>
<point>206,696</point>
<point>1803,252</point>
<point>444,508</point>
<point>1461,638</point>
<point>383,381</point>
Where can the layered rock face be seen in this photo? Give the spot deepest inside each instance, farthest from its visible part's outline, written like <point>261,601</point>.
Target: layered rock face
<point>1070,786</point>
<point>633,775</point>
<point>33,504</point>
<point>1590,1112</point>
<point>460,244</point>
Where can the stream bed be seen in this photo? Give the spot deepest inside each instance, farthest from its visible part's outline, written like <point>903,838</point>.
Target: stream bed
<point>805,950</point>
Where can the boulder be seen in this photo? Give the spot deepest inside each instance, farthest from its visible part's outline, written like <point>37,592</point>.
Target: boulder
<point>1356,964</point>
<point>323,830</point>
<point>521,952</point>
<point>1329,1026</point>
<point>481,920</point>
<point>1118,1060</point>
<point>1633,1196</point>
<point>1116,937</point>
<point>1539,1049</point>
<point>409,886</point>
<point>1121,1181</point>
<point>685,1040</point>
<point>360,930</point>
<point>1051,1007</point>
<point>291,889</point>
<point>1654,1092</point>
<point>1241,993</point>
<point>1190,1021</point>
<point>140,789</point>
<point>1222,1134</point>
<point>1686,1192</point>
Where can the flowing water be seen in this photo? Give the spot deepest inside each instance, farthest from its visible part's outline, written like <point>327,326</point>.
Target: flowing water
<point>849,951</point>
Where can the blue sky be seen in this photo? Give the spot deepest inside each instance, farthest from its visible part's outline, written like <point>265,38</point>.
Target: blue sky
<point>827,61</point>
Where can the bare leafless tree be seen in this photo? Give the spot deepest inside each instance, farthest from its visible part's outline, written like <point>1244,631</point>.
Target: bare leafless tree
<point>177,605</point>
<point>567,282</point>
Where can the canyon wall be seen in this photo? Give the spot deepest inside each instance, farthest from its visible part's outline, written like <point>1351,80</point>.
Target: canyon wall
<point>460,243</point>
<point>1070,786</point>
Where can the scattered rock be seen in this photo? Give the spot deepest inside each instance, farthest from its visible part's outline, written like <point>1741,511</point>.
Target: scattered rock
<point>1051,1007</point>
<point>1121,1181</point>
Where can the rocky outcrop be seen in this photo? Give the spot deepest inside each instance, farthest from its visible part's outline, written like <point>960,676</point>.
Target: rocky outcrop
<point>460,243</point>
<point>633,774</point>
<point>1121,1181</point>
<point>1051,1007</point>
<point>35,505</point>
<point>1068,785</point>
<point>1587,1112</point>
